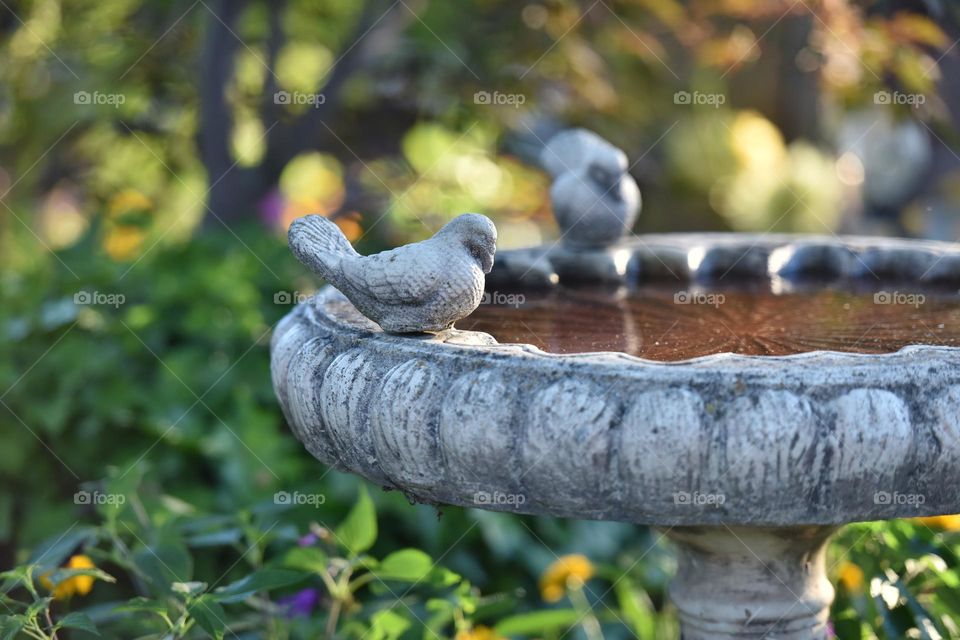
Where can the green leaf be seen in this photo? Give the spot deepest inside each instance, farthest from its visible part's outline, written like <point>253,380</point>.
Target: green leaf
<point>847,626</point>
<point>537,622</point>
<point>15,577</point>
<point>309,559</point>
<point>10,626</point>
<point>209,615</point>
<point>38,606</point>
<point>636,608</point>
<point>388,625</point>
<point>216,538</point>
<point>188,588</point>
<point>55,550</point>
<point>406,565</point>
<point>140,604</point>
<point>77,620</point>
<point>264,580</point>
<point>358,531</point>
<point>163,564</point>
<point>65,574</point>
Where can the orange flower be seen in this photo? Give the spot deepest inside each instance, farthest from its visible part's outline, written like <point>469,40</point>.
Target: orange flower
<point>947,523</point>
<point>479,633</point>
<point>568,572</point>
<point>76,585</point>
<point>851,577</point>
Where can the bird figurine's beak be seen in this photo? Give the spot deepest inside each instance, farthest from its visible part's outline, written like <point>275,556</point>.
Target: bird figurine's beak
<point>614,191</point>
<point>486,261</point>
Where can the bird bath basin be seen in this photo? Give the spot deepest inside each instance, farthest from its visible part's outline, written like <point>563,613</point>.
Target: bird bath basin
<point>746,395</point>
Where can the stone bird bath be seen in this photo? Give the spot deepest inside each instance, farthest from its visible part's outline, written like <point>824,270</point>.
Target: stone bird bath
<point>747,395</point>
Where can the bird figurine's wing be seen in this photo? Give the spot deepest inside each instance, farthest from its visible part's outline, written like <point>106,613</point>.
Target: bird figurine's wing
<point>572,150</point>
<point>318,243</point>
<point>404,275</point>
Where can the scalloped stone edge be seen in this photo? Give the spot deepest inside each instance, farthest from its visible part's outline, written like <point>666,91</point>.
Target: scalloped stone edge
<point>453,419</point>
<point>709,257</point>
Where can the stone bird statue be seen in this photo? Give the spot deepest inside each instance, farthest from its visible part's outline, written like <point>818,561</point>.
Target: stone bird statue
<point>594,199</point>
<point>425,286</point>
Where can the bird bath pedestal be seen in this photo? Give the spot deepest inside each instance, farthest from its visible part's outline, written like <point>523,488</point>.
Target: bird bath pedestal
<point>746,395</point>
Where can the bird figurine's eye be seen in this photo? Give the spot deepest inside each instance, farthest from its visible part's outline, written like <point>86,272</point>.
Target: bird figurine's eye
<point>601,176</point>
<point>482,256</point>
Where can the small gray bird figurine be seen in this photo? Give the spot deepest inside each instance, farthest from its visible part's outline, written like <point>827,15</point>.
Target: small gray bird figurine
<point>425,286</point>
<point>594,199</point>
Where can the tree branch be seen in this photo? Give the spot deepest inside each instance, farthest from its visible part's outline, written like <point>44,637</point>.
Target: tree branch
<point>269,108</point>
<point>216,69</point>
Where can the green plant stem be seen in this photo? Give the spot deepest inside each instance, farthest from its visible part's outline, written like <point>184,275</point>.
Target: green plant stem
<point>333,618</point>
<point>341,591</point>
<point>53,631</point>
<point>34,631</point>
<point>359,582</point>
<point>589,622</point>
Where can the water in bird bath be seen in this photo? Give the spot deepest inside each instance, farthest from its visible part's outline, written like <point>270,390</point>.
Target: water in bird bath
<point>666,323</point>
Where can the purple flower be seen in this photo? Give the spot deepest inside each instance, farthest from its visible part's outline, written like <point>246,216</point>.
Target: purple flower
<point>271,208</point>
<point>301,603</point>
<point>308,540</point>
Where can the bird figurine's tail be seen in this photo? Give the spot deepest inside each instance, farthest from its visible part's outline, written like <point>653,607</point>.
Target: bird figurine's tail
<point>318,244</point>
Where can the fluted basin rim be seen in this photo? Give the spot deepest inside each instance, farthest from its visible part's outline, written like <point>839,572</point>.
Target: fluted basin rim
<point>813,438</point>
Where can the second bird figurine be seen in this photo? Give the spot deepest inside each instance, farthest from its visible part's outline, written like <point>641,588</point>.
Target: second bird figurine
<point>595,199</point>
<point>425,286</point>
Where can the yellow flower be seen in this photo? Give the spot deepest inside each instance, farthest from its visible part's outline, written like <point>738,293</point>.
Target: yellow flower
<point>947,523</point>
<point>568,572</point>
<point>123,243</point>
<point>77,585</point>
<point>126,201</point>
<point>479,633</point>
<point>851,576</point>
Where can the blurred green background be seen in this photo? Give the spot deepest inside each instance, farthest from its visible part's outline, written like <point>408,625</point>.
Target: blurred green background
<point>152,154</point>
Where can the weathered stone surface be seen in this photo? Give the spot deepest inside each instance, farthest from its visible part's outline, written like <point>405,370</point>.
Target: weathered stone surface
<point>478,433</point>
<point>747,462</point>
<point>809,439</point>
<point>566,458</point>
<point>874,434</point>
<point>424,286</point>
<point>305,376</point>
<point>769,438</point>
<point>656,467</point>
<point>739,582</point>
<point>347,397</point>
<point>404,423</point>
<point>946,427</point>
